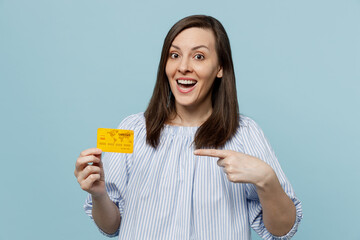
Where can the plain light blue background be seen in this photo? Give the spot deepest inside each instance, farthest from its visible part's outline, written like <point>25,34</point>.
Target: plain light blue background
<point>69,67</point>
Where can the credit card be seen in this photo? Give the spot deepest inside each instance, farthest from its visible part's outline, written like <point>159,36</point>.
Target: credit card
<point>115,140</point>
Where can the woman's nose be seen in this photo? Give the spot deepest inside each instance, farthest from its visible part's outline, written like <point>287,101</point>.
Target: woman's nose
<point>184,66</point>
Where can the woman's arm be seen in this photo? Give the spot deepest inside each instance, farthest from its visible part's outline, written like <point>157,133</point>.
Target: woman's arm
<point>90,175</point>
<point>106,214</point>
<point>279,212</point>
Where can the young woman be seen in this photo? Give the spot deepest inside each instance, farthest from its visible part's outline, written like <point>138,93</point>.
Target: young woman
<point>199,169</point>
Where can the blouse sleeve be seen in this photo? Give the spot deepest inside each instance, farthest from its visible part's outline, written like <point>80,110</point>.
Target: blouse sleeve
<point>116,169</point>
<point>256,144</point>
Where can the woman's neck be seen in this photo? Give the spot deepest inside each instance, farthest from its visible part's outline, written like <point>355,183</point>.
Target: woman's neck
<point>188,117</point>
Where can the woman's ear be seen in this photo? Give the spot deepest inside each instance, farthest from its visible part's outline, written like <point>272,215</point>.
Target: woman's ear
<point>220,73</point>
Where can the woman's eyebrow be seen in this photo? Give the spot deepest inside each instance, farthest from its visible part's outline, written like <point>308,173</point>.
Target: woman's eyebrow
<point>194,48</point>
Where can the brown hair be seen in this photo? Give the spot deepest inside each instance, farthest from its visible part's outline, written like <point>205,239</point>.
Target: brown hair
<point>224,120</point>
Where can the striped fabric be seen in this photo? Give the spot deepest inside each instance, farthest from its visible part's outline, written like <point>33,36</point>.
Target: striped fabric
<point>169,193</point>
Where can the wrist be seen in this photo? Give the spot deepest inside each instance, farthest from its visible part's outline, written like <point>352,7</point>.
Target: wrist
<point>269,179</point>
<point>99,196</point>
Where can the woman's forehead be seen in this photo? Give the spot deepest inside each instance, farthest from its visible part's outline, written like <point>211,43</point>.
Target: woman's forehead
<point>193,37</point>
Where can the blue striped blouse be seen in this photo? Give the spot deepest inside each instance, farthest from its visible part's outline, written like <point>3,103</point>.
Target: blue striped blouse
<point>169,193</point>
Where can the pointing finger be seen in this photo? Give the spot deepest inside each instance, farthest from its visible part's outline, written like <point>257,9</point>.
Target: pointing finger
<point>212,153</point>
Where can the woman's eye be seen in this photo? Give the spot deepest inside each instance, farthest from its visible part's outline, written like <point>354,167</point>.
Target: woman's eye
<point>199,57</point>
<point>174,55</point>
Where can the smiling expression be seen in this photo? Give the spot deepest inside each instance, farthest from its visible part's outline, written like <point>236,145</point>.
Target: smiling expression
<point>192,67</point>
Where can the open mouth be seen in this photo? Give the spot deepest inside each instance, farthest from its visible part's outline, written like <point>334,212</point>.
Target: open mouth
<point>186,83</point>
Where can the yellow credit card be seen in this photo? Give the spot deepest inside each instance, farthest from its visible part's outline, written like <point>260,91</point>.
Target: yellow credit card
<point>115,140</point>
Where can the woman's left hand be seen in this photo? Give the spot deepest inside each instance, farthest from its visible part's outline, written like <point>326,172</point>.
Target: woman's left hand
<point>240,167</point>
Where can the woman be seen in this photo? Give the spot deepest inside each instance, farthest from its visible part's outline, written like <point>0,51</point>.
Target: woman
<point>199,170</point>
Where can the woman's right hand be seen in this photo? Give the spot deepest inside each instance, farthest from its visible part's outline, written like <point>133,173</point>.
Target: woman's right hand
<point>90,173</point>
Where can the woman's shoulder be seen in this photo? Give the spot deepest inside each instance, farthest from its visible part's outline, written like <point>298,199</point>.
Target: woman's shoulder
<point>248,136</point>
<point>133,121</point>
<point>247,122</point>
<point>248,127</point>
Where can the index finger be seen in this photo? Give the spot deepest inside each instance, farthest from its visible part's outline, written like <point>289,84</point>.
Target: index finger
<point>90,151</point>
<point>212,153</point>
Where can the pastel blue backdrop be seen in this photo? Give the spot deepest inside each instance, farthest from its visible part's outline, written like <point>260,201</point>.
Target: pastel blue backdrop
<point>69,67</point>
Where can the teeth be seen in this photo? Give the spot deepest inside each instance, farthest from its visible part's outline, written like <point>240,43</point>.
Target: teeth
<point>186,81</point>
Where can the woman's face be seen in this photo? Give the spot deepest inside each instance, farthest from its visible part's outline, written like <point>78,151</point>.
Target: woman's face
<point>192,67</point>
